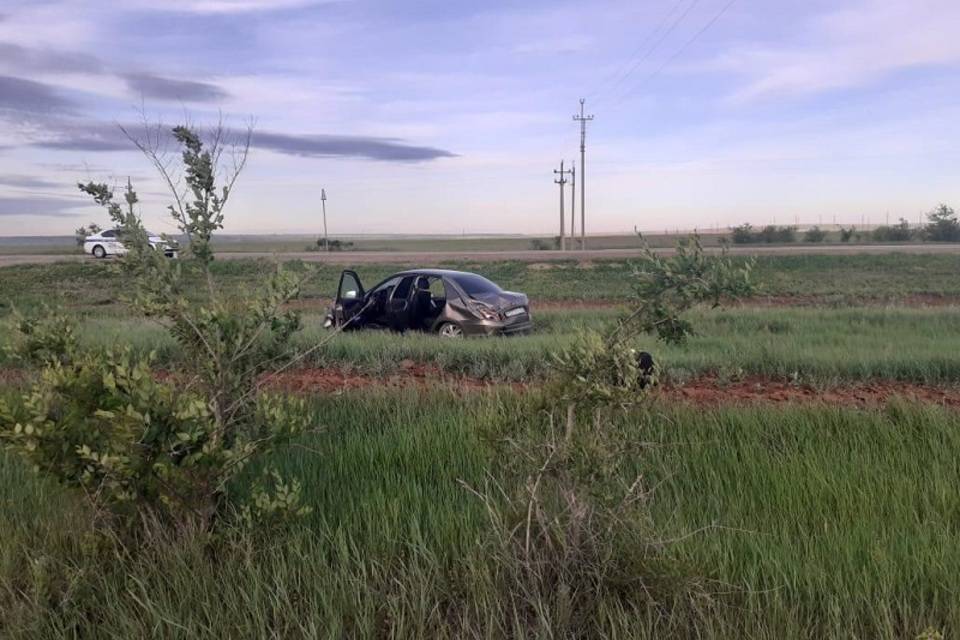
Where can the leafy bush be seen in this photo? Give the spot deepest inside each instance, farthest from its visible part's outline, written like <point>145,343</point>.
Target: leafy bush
<point>607,370</point>
<point>80,235</point>
<point>332,245</point>
<point>900,232</point>
<point>140,447</point>
<point>539,244</point>
<point>773,234</point>
<point>815,234</point>
<point>743,234</point>
<point>942,225</point>
<point>847,234</point>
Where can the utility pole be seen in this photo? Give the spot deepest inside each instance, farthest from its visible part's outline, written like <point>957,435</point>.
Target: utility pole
<point>323,203</point>
<point>562,181</point>
<point>583,120</point>
<point>573,204</point>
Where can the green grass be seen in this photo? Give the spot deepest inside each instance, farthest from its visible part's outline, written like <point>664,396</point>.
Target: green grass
<point>816,345</point>
<point>827,522</point>
<point>298,243</point>
<point>92,287</point>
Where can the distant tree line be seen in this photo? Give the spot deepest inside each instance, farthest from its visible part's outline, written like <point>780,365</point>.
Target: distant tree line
<point>942,226</point>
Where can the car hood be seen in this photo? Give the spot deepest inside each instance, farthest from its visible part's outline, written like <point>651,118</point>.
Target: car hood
<point>503,300</point>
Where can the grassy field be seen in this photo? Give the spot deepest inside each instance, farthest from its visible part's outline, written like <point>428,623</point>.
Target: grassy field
<point>826,280</point>
<point>808,345</point>
<point>765,521</point>
<point>794,522</point>
<point>64,245</point>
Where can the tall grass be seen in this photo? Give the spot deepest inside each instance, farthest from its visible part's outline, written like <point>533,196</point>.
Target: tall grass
<point>819,346</point>
<point>94,287</point>
<point>820,522</point>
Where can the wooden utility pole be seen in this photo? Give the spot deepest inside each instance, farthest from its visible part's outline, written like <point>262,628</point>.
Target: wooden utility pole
<point>573,204</point>
<point>323,203</point>
<point>583,120</point>
<point>562,181</point>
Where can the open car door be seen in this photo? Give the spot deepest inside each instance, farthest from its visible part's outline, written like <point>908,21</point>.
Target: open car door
<point>350,299</point>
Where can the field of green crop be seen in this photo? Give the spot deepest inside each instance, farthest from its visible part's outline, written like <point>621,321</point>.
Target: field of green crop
<point>838,280</point>
<point>802,520</point>
<point>792,522</point>
<point>818,346</point>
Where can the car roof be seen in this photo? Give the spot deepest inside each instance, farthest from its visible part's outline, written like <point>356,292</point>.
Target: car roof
<point>433,272</point>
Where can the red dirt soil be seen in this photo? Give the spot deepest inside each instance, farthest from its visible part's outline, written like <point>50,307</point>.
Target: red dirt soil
<point>702,391</point>
<point>706,390</point>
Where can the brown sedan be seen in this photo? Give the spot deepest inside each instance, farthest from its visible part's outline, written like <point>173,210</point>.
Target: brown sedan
<point>451,304</point>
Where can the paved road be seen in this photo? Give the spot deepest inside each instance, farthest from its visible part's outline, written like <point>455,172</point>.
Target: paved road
<point>438,257</point>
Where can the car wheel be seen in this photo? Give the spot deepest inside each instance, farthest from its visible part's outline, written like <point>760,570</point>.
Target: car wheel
<point>450,330</point>
<point>99,252</point>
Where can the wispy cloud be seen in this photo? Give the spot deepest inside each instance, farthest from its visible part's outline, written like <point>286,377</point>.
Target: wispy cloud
<point>372,148</point>
<point>159,88</point>
<point>225,6</point>
<point>76,135</point>
<point>21,59</point>
<point>18,94</point>
<point>39,206</point>
<point>849,48</point>
<point>26,182</point>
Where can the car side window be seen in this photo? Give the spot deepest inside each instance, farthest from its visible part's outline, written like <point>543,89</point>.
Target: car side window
<point>109,233</point>
<point>349,287</point>
<point>402,290</point>
<point>385,287</point>
<point>437,290</point>
<point>450,291</point>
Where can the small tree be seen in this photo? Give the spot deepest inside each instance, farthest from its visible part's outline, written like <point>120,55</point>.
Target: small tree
<point>743,234</point>
<point>773,234</point>
<point>900,232</point>
<point>606,369</point>
<point>82,232</point>
<point>168,449</point>
<point>814,234</point>
<point>942,225</point>
<point>847,234</point>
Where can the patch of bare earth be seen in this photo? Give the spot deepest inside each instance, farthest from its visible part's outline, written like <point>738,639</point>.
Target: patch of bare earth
<point>710,391</point>
<point>702,391</point>
<point>706,391</point>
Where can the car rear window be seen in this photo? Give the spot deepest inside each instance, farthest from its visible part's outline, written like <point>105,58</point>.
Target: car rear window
<point>473,285</point>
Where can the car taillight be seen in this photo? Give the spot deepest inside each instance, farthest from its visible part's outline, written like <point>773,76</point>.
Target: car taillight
<point>486,311</point>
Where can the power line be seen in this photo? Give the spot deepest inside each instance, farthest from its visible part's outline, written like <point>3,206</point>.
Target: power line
<point>630,59</point>
<point>656,44</point>
<point>679,51</point>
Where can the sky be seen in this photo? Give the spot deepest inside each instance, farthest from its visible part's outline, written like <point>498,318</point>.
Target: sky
<point>442,116</point>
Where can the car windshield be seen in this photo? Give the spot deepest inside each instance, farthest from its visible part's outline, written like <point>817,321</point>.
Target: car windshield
<point>474,285</point>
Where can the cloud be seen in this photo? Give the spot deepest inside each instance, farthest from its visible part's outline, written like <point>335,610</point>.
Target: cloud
<point>97,136</point>
<point>26,182</point>
<point>78,135</point>
<point>372,148</point>
<point>225,6</point>
<point>849,48</point>
<point>17,94</point>
<point>159,88</point>
<point>23,59</point>
<point>42,206</point>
